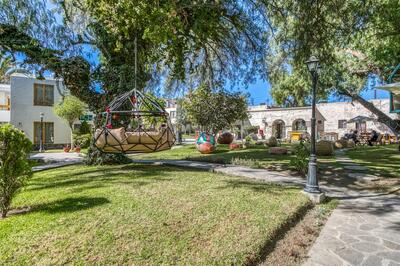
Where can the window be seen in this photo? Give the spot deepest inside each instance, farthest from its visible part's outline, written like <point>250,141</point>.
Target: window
<point>43,95</point>
<point>47,132</point>
<point>299,125</point>
<point>86,118</point>
<point>173,114</point>
<point>342,123</point>
<point>395,103</point>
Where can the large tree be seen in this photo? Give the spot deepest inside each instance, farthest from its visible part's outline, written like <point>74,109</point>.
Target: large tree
<point>180,43</point>
<point>214,111</point>
<point>345,36</point>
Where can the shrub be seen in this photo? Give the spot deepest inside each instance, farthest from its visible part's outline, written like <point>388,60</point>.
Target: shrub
<point>83,140</point>
<point>14,165</point>
<point>252,129</point>
<point>97,157</point>
<point>300,161</point>
<point>84,128</point>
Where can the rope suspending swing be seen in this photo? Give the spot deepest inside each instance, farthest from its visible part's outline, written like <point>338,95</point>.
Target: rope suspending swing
<point>134,122</point>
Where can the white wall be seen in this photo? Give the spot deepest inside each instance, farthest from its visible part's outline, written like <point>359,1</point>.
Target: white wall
<point>4,95</point>
<point>24,113</point>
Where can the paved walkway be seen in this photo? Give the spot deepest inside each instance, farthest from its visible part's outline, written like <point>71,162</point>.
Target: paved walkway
<point>363,230</point>
<point>55,160</point>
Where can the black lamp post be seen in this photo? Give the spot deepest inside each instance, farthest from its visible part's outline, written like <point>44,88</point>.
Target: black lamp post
<point>41,133</point>
<point>312,180</point>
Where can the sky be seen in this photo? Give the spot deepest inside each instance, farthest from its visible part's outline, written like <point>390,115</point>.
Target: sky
<point>260,92</point>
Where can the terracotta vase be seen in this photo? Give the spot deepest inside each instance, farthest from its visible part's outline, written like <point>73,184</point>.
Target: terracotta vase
<point>225,138</point>
<point>205,148</point>
<point>234,146</point>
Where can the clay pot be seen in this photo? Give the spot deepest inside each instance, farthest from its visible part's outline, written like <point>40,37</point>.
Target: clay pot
<point>78,149</point>
<point>272,142</point>
<point>234,146</point>
<point>225,138</point>
<point>324,147</point>
<point>66,149</point>
<point>205,148</point>
<point>278,150</point>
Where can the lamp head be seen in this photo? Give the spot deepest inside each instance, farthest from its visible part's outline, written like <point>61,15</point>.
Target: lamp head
<point>313,64</point>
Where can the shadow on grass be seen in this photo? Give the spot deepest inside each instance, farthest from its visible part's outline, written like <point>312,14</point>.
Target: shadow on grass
<point>132,174</point>
<point>70,204</point>
<point>258,186</point>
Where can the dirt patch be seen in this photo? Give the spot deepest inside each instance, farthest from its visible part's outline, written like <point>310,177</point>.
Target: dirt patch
<point>292,249</point>
<point>17,211</point>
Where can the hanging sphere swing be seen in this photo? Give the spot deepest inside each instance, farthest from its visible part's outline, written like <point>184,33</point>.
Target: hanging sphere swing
<point>137,126</point>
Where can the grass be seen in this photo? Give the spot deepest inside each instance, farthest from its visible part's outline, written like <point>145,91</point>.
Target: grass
<point>144,215</point>
<point>223,155</point>
<point>381,160</point>
<point>257,156</point>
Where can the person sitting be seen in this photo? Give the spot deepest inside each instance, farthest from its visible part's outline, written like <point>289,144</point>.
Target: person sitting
<point>374,137</point>
<point>354,137</point>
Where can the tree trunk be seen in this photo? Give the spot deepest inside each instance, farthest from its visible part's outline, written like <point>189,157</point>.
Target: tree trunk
<point>72,136</point>
<point>381,116</point>
<point>3,213</point>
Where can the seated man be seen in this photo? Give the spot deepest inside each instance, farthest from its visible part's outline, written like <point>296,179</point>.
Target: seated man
<point>354,137</point>
<point>374,137</point>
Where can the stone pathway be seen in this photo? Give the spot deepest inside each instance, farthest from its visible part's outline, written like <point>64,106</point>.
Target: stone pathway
<point>363,230</point>
<point>55,160</point>
<point>283,177</point>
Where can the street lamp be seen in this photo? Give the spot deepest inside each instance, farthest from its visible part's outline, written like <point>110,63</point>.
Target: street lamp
<point>312,180</point>
<point>41,133</point>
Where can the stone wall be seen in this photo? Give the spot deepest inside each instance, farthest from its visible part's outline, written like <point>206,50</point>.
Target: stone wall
<point>328,116</point>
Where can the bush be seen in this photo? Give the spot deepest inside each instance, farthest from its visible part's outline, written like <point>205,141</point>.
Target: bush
<point>252,129</point>
<point>97,157</point>
<point>300,161</point>
<point>84,128</point>
<point>83,140</point>
<point>14,165</point>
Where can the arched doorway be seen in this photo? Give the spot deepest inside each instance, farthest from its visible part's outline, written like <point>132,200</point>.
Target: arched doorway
<point>299,125</point>
<point>279,129</point>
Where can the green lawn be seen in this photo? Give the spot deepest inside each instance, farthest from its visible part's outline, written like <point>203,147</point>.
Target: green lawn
<point>381,160</point>
<point>257,156</point>
<point>144,215</point>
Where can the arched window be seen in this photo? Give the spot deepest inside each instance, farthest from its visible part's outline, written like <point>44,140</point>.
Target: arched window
<point>299,125</point>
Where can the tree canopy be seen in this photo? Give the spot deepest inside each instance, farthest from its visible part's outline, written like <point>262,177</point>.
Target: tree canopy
<point>214,111</point>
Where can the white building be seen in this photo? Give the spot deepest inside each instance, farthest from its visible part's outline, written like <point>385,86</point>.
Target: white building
<point>5,104</point>
<point>24,100</point>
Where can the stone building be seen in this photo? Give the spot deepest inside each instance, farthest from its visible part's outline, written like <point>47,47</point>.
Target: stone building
<point>331,118</point>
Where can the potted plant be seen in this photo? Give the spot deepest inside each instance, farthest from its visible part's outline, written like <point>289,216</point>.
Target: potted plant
<point>78,149</point>
<point>66,148</point>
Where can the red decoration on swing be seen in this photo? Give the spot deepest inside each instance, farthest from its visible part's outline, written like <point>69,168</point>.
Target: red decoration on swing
<point>133,99</point>
<point>107,109</point>
<point>109,126</point>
